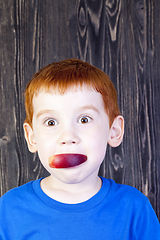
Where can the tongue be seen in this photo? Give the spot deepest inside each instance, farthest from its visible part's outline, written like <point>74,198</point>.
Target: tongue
<point>66,160</point>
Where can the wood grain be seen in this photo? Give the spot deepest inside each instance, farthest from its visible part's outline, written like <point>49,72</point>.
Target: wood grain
<point>119,37</point>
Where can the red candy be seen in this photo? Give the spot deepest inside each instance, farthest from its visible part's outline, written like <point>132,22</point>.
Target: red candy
<point>66,160</point>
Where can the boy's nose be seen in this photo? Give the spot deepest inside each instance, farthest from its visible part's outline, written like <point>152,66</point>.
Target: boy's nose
<point>69,137</point>
<point>70,142</point>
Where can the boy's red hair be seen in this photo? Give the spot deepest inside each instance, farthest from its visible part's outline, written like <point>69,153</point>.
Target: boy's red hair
<point>68,73</point>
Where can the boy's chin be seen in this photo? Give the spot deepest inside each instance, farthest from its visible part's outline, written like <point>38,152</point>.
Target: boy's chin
<point>67,160</point>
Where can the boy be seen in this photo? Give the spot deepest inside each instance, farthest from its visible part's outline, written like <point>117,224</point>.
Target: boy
<point>71,115</point>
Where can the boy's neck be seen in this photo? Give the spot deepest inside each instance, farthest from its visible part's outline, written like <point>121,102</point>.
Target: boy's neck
<point>71,193</point>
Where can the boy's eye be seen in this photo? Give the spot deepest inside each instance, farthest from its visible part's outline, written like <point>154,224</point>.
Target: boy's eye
<point>84,119</point>
<point>51,122</point>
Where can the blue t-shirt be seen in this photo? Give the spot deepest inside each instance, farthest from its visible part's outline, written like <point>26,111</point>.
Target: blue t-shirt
<point>116,212</point>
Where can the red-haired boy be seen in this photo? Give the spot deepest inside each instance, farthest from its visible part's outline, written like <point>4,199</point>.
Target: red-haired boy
<point>71,115</point>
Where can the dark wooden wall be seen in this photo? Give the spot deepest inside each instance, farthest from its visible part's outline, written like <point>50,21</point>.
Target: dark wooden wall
<point>121,37</point>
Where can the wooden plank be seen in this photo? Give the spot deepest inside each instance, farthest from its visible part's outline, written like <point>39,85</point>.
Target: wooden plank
<point>8,161</point>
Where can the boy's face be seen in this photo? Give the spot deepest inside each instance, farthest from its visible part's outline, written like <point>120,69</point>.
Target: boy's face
<point>74,122</point>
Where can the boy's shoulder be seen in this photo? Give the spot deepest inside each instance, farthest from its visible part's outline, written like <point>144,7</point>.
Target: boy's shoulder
<point>17,194</point>
<point>128,199</point>
<point>129,202</point>
<point>124,191</point>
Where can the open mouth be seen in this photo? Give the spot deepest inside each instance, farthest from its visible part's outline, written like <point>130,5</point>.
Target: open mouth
<point>66,160</point>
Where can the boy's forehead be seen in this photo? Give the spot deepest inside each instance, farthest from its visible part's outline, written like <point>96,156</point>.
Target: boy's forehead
<point>81,95</point>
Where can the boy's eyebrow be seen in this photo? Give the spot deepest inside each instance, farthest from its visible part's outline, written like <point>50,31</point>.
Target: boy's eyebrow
<point>43,112</point>
<point>89,107</point>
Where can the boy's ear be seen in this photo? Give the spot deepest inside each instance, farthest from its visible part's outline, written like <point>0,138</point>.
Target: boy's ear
<point>29,136</point>
<point>116,132</point>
